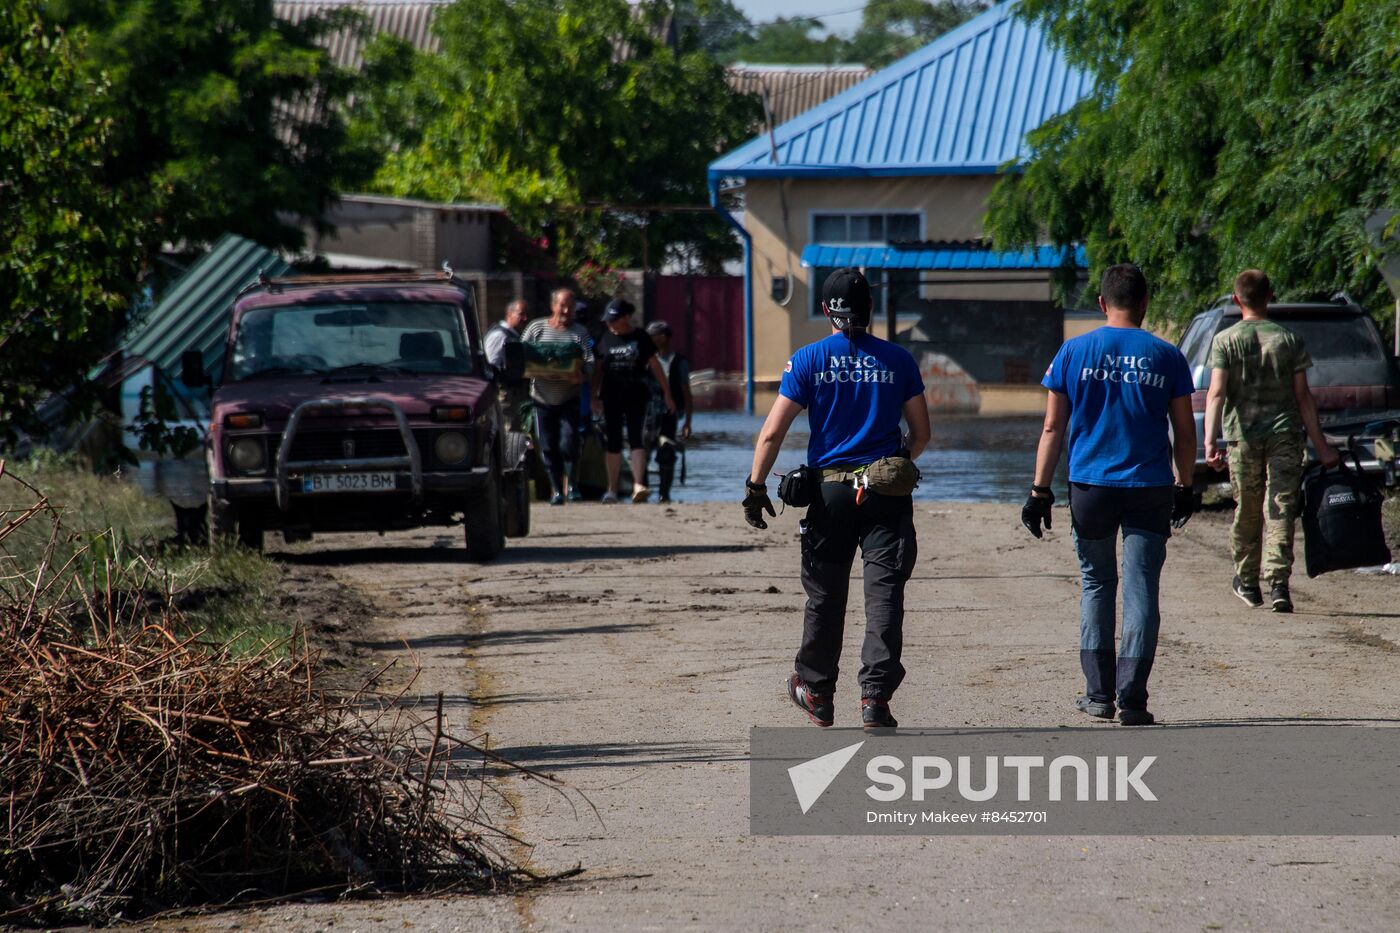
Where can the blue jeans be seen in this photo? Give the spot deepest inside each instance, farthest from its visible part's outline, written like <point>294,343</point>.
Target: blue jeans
<point>1139,516</point>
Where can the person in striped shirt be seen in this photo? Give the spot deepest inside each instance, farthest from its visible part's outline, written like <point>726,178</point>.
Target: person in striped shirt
<point>558,415</point>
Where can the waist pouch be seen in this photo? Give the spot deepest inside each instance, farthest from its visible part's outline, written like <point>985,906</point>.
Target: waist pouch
<point>797,486</point>
<point>890,476</point>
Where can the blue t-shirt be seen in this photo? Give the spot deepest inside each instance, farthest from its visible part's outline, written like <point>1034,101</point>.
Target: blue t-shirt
<point>1120,382</point>
<point>854,402</point>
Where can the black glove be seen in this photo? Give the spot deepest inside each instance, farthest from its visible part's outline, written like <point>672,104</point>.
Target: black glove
<point>1037,509</point>
<point>755,501</point>
<point>1183,505</point>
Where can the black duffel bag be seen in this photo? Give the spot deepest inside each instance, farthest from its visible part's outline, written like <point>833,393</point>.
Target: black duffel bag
<point>1342,519</point>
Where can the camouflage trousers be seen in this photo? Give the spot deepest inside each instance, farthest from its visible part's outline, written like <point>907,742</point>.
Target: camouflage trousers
<point>1267,477</point>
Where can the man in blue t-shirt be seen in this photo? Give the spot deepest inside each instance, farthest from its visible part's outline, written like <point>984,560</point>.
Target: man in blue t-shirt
<point>855,389</point>
<point>1114,391</point>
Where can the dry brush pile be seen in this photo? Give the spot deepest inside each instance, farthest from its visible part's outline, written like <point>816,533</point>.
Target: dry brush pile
<point>142,770</point>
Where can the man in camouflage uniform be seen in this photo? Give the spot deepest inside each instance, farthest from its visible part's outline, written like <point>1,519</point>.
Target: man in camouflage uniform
<point>1259,383</point>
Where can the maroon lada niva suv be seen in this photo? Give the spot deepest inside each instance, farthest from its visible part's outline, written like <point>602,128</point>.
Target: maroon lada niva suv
<point>361,403</point>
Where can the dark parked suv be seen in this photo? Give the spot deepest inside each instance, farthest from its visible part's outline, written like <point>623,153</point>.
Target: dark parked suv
<point>360,403</point>
<point>1354,375</point>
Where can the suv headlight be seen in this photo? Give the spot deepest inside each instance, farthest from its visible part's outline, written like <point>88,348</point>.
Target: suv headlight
<point>450,448</point>
<point>247,454</point>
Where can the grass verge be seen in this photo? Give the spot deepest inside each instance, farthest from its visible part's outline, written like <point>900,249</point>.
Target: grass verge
<point>230,594</point>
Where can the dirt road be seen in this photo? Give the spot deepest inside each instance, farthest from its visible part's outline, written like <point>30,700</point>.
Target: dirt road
<point>630,649</point>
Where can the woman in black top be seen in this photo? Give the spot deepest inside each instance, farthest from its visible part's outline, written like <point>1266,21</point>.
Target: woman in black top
<point>623,357</point>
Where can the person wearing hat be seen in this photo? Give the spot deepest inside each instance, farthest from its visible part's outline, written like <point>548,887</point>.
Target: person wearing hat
<point>625,354</point>
<point>856,389</point>
<point>677,369</point>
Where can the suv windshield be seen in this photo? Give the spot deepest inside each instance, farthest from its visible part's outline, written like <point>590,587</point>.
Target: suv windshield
<point>394,336</point>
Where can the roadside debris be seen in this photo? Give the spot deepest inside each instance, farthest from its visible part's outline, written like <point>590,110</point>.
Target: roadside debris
<point>142,771</point>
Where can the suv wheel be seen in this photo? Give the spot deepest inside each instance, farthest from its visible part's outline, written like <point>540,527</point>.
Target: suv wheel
<point>226,526</point>
<point>517,516</point>
<point>484,521</point>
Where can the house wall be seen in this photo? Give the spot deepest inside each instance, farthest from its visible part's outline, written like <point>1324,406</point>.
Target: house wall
<point>419,233</point>
<point>952,208</point>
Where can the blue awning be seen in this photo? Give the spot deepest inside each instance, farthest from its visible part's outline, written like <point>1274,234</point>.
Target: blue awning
<point>945,258</point>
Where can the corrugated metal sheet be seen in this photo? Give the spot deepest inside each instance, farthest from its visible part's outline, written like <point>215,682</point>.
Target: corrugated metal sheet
<point>946,258</point>
<point>795,89</point>
<point>961,105</point>
<point>410,21</point>
<point>194,313</point>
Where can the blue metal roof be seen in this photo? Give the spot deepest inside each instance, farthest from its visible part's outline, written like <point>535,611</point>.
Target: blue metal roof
<point>960,105</point>
<point>949,258</point>
<point>194,312</point>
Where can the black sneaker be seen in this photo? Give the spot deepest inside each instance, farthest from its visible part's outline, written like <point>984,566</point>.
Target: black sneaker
<point>1136,717</point>
<point>1280,599</point>
<point>1249,594</point>
<point>1094,708</point>
<point>875,714</point>
<point>818,708</point>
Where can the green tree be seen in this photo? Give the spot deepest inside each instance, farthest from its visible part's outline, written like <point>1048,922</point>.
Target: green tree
<point>573,115</point>
<point>1220,135</point>
<point>891,29</point>
<point>228,116</point>
<point>798,40</point>
<point>70,245</point>
<point>715,26</point>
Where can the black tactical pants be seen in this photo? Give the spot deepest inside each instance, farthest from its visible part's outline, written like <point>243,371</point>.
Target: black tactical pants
<point>883,528</point>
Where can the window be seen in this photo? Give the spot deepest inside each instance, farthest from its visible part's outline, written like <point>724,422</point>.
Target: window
<point>315,339</point>
<point>899,287</point>
<point>885,227</point>
<point>1195,346</point>
<point>1336,337</point>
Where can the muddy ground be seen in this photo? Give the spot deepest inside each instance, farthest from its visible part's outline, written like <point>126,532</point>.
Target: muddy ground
<point>629,649</point>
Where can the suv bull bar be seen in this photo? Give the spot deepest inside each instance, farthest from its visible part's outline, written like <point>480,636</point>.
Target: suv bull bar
<point>413,461</point>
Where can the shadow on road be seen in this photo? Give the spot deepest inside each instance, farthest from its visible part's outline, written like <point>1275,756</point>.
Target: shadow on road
<point>502,636</point>
<point>612,755</point>
<point>584,550</point>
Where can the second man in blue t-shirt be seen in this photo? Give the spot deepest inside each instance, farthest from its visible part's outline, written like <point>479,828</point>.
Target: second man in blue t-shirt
<point>1113,393</point>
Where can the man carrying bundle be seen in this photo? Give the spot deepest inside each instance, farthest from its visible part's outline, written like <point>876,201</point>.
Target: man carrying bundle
<point>558,357</point>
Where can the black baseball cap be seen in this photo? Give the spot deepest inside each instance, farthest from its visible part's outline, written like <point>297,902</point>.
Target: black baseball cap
<point>659,327</point>
<point>618,308</point>
<point>846,293</point>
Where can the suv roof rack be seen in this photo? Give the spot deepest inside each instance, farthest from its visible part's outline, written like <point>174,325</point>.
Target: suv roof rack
<point>277,283</point>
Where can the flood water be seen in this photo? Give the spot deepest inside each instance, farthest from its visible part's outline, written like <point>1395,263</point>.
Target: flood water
<point>971,458</point>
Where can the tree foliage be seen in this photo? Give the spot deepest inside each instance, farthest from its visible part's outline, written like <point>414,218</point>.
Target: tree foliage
<point>1220,135</point>
<point>572,114</point>
<point>206,99</point>
<point>889,29</point>
<point>70,245</point>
